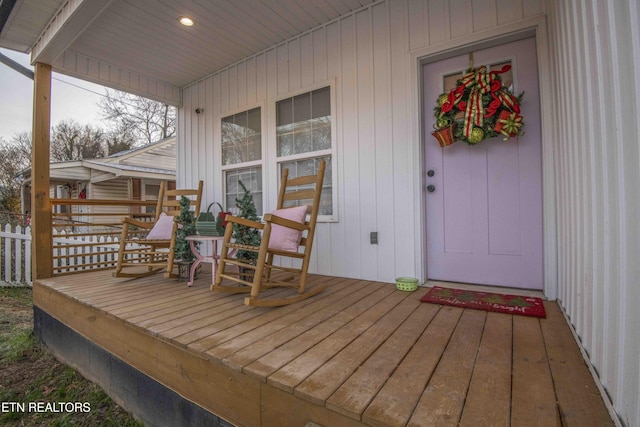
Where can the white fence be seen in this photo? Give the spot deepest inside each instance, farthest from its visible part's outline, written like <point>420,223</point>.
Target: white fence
<point>15,245</point>
<point>70,253</point>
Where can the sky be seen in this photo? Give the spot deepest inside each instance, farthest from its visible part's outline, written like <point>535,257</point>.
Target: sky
<point>68,101</point>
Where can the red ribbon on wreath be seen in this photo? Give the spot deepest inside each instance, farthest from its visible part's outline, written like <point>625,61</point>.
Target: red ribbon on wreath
<point>481,82</point>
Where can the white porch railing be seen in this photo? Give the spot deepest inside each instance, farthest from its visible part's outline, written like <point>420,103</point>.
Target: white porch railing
<point>15,247</point>
<point>73,253</point>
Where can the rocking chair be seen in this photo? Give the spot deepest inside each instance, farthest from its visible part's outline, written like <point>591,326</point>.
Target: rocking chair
<point>286,233</point>
<point>147,247</point>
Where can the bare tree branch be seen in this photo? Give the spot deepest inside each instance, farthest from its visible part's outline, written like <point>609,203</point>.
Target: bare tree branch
<point>148,120</point>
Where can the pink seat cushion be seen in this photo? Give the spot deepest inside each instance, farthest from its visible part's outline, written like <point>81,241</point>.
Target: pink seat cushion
<point>163,228</point>
<point>283,238</point>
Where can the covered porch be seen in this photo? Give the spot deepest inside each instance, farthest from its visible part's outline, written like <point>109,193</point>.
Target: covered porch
<point>360,353</point>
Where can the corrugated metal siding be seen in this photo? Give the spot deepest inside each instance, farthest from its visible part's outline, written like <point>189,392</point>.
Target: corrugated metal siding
<point>368,55</point>
<point>596,66</point>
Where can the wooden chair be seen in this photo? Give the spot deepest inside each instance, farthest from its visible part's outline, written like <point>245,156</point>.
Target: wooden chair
<point>145,253</point>
<point>292,191</point>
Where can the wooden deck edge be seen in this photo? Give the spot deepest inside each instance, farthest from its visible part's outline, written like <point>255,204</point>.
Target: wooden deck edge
<point>281,408</point>
<point>149,401</point>
<point>220,390</point>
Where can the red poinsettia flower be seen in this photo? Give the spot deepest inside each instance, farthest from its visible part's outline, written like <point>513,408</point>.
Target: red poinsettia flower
<point>462,105</point>
<point>447,106</point>
<point>495,85</point>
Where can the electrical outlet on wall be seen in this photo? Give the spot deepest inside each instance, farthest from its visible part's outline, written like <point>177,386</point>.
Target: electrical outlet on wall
<point>373,237</point>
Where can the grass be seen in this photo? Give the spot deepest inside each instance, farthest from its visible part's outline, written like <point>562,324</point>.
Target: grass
<point>31,374</point>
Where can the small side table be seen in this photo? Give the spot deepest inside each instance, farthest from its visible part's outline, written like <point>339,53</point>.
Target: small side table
<point>213,258</point>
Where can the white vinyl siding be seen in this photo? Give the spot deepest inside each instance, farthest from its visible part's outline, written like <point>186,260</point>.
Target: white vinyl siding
<point>117,189</point>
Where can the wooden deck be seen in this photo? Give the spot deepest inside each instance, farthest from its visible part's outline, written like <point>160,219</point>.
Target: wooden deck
<point>360,353</point>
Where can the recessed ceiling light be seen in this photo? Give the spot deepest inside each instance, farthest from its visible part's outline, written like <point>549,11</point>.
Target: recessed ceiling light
<point>186,21</point>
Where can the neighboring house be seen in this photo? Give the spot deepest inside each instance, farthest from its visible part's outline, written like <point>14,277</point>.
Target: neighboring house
<point>133,174</point>
<point>264,85</point>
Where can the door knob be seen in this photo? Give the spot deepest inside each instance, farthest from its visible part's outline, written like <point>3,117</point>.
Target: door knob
<point>431,188</point>
<point>430,173</point>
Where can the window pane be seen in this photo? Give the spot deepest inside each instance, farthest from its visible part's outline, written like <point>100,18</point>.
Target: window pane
<point>303,123</point>
<point>321,103</point>
<point>285,112</point>
<point>151,193</point>
<point>302,108</point>
<point>254,123</point>
<point>241,137</point>
<point>251,178</point>
<point>322,135</point>
<point>450,81</point>
<point>310,167</point>
<point>285,144</point>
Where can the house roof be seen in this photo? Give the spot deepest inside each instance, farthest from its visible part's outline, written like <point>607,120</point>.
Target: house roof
<point>114,167</point>
<point>140,47</point>
<point>141,162</point>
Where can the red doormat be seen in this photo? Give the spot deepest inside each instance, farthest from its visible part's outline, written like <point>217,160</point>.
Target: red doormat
<point>501,303</point>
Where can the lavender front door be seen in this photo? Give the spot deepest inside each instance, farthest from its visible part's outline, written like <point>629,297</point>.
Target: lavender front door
<point>484,210</point>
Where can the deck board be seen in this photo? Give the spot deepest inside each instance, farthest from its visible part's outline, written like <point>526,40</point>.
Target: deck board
<point>532,384</point>
<point>370,331</point>
<point>223,345</point>
<point>358,354</point>
<point>344,307</point>
<point>397,399</point>
<point>443,400</point>
<point>490,389</point>
<point>353,396</point>
<point>342,313</point>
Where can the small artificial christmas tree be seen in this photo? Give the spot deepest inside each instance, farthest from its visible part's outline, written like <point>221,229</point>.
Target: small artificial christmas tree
<point>187,221</point>
<point>244,235</point>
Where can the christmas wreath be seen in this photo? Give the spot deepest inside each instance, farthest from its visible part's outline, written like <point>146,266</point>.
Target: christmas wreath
<point>488,109</point>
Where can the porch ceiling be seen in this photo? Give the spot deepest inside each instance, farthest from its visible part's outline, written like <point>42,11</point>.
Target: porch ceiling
<point>145,38</point>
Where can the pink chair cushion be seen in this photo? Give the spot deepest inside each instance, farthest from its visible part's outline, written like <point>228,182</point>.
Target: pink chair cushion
<point>283,238</point>
<point>163,228</point>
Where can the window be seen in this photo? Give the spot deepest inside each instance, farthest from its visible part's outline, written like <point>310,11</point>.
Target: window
<point>242,156</point>
<point>151,193</point>
<point>303,137</point>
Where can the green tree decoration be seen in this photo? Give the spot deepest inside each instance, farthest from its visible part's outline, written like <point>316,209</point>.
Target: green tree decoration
<point>244,235</point>
<point>187,220</point>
